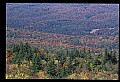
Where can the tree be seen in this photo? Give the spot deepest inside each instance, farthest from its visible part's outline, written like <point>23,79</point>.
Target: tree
<point>16,59</point>
<point>105,57</point>
<point>96,62</point>
<point>51,68</point>
<point>21,46</point>
<point>62,72</point>
<point>28,56</point>
<point>88,66</point>
<point>84,50</point>
<point>83,55</point>
<point>76,62</point>
<point>62,58</point>
<point>37,64</point>
<point>73,54</point>
<point>67,70</point>
<point>47,56</point>
<point>27,47</point>
<point>27,51</point>
<point>69,66</point>
<point>35,50</point>
<point>114,59</point>
<point>18,53</point>
<point>88,54</point>
<point>76,52</point>
<point>110,57</point>
<point>80,54</point>
<point>15,48</point>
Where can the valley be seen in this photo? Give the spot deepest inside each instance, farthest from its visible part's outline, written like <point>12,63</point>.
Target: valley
<point>62,41</point>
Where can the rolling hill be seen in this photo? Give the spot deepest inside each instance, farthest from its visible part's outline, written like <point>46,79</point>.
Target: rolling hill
<point>69,19</point>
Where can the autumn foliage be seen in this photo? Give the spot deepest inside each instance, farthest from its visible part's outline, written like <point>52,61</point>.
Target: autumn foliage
<point>27,62</point>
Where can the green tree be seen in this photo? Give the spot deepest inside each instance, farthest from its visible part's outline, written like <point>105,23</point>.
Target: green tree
<point>88,66</point>
<point>16,59</point>
<point>51,68</point>
<point>67,70</point>
<point>96,61</point>
<point>62,58</point>
<point>88,54</point>
<point>37,64</point>
<point>68,65</point>
<point>68,62</point>
<point>61,72</point>
<point>76,62</point>
<point>21,47</point>
<point>114,59</point>
<point>15,48</point>
<point>110,57</point>
<point>27,51</point>
<point>80,54</point>
<point>83,55</point>
<point>47,56</point>
<point>18,53</point>
<point>76,52</point>
<point>84,50</point>
<point>105,57</point>
<point>35,50</point>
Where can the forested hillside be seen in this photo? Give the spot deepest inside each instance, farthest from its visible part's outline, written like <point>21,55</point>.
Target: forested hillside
<point>54,42</point>
<point>28,62</point>
<point>62,41</point>
<point>69,19</point>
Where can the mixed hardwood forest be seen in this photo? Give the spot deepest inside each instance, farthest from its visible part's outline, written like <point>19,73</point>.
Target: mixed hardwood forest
<point>28,62</point>
<point>62,41</point>
<point>53,42</point>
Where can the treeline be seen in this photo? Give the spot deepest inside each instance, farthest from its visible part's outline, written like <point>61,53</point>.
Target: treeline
<point>62,64</point>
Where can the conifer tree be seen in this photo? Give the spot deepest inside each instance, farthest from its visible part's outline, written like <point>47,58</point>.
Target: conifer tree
<point>105,57</point>
<point>114,59</point>
<point>84,50</point>
<point>51,68</point>
<point>61,72</point>
<point>37,65</point>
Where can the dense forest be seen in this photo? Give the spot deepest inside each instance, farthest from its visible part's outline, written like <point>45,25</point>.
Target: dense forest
<point>62,41</point>
<point>53,42</point>
<point>68,19</point>
<point>29,62</point>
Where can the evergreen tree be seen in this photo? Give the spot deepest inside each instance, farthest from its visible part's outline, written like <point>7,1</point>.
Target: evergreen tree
<point>26,47</point>
<point>68,62</point>
<point>51,68</point>
<point>62,58</point>
<point>67,70</point>
<point>47,57</point>
<point>105,57</point>
<point>80,55</point>
<point>36,50</point>
<point>88,66</point>
<point>37,64</point>
<point>114,59</point>
<point>68,65</point>
<point>16,59</point>
<point>88,54</point>
<point>76,63</point>
<point>28,55</point>
<point>83,55</point>
<point>61,72</point>
<point>76,53</point>
<point>21,47</point>
<point>96,61</point>
<point>84,50</point>
<point>15,48</point>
